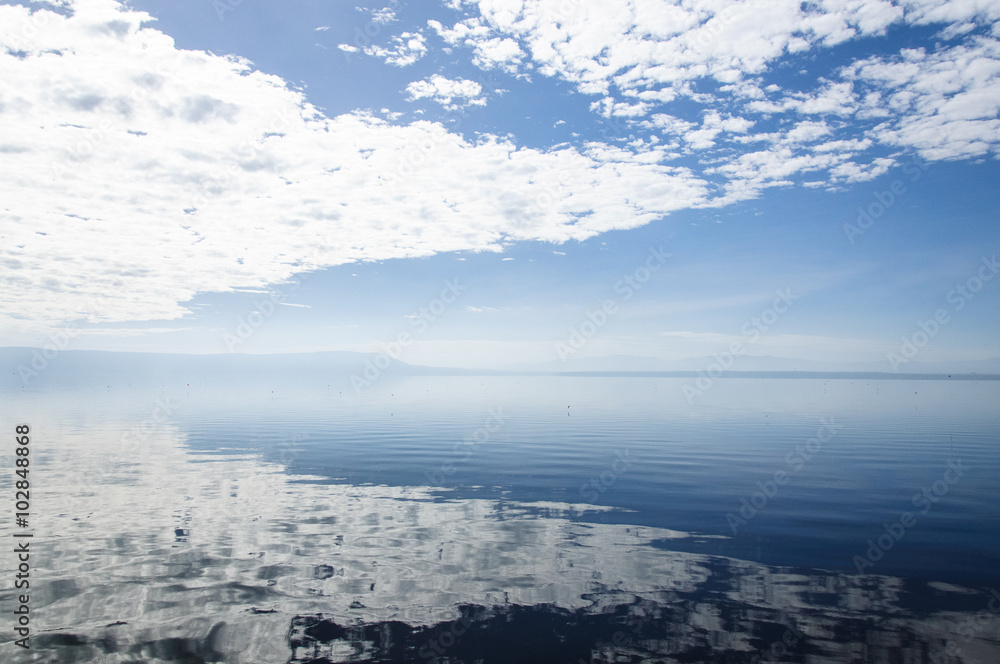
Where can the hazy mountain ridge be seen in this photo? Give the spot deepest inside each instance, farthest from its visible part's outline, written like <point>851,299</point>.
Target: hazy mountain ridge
<point>755,363</point>
<point>23,366</point>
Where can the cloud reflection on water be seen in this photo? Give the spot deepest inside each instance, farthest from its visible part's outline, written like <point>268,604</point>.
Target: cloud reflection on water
<point>184,556</point>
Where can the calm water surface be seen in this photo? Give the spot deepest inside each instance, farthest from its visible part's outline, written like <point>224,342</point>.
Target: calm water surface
<point>513,519</point>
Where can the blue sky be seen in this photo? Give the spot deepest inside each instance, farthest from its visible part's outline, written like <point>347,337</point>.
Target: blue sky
<point>323,169</point>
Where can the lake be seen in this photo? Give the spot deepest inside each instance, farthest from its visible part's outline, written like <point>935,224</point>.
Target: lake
<point>511,519</point>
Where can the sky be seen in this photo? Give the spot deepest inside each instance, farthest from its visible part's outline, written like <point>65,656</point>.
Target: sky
<point>495,183</point>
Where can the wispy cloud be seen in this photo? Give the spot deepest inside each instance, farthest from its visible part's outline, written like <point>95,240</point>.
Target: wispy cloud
<point>130,331</point>
<point>403,49</point>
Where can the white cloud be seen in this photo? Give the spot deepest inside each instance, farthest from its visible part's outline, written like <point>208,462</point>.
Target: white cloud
<point>452,94</point>
<point>831,99</point>
<point>712,125</point>
<point>850,171</point>
<point>383,16</point>
<point>669,124</point>
<point>498,53</point>
<point>924,12</point>
<point>944,104</point>
<point>488,52</point>
<point>852,145</point>
<point>403,50</point>
<point>140,175</point>
<point>750,172</point>
<point>638,55</point>
<point>649,44</point>
<point>608,107</point>
<point>808,132</point>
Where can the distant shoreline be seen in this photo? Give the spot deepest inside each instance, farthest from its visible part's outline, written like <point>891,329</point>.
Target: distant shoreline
<point>830,375</point>
<point>29,362</point>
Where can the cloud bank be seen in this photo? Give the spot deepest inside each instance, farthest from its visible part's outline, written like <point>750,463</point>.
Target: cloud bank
<point>141,174</point>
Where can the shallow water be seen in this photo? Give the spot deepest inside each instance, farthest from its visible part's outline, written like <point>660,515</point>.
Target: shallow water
<point>503,519</point>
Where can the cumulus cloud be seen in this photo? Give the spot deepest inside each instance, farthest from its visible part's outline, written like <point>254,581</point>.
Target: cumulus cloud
<point>945,104</point>
<point>403,49</point>
<point>382,16</point>
<point>712,125</point>
<point>139,175</point>
<point>452,94</point>
<point>638,45</point>
<point>489,52</point>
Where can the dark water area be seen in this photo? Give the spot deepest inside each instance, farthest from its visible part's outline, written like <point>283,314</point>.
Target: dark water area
<point>512,519</point>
